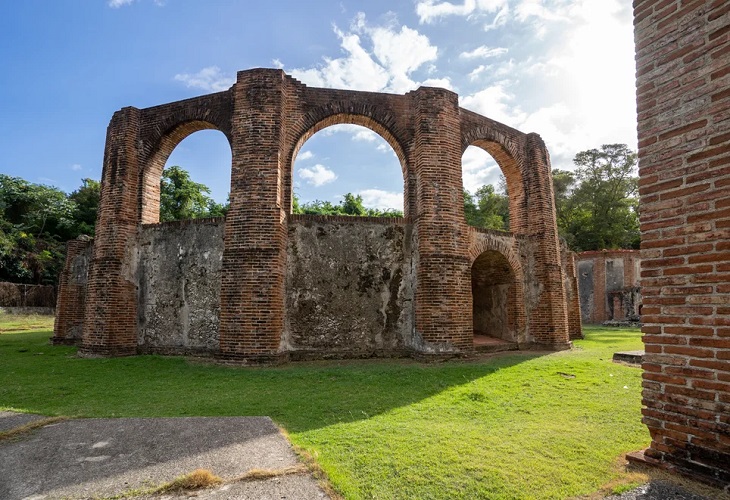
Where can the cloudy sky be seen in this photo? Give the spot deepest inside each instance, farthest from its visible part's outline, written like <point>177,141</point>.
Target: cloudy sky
<point>561,68</point>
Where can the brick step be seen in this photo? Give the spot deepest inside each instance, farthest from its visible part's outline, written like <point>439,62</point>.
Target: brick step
<point>485,343</point>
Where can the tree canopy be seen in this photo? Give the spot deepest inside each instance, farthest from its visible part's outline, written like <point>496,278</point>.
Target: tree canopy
<point>350,205</point>
<point>597,205</point>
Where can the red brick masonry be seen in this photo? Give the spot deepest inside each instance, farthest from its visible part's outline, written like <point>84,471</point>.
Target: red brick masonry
<point>266,117</point>
<point>683,96</point>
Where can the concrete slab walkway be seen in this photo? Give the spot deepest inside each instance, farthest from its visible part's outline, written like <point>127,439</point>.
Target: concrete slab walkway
<point>101,458</point>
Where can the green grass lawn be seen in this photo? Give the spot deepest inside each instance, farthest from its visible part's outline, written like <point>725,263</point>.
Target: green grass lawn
<point>515,426</point>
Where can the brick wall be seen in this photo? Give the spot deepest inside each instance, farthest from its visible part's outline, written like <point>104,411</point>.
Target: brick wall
<point>267,116</point>
<point>608,285</point>
<point>683,96</point>
<point>72,286</point>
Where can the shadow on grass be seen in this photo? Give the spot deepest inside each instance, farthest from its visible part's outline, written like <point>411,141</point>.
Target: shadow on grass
<point>38,378</point>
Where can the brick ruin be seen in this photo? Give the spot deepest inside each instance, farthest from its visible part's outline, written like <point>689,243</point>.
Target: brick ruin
<point>683,97</point>
<point>265,285</point>
<point>608,285</point>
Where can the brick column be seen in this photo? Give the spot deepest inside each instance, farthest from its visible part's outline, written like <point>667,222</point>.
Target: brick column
<point>110,322</point>
<point>443,311</point>
<point>71,300</point>
<point>683,103</point>
<point>575,329</point>
<point>254,257</point>
<point>549,320</point>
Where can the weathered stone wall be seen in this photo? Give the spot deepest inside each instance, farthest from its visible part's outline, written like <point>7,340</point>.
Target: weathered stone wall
<point>349,287</point>
<point>178,273</point>
<point>608,285</point>
<point>683,102</point>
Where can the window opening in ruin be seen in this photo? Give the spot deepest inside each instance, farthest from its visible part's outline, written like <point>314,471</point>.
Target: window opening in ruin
<point>494,299</point>
<point>196,180</point>
<point>486,202</point>
<point>347,169</point>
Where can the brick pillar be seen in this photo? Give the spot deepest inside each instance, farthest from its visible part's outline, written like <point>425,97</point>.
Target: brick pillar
<point>683,103</point>
<point>110,321</point>
<point>443,311</point>
<point>71,300</point>
<point>575,329</point>
<point>548,324</point>
<point>254,257</point>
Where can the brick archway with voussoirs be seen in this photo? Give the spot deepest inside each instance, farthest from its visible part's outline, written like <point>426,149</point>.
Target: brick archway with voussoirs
<point>266,116</point>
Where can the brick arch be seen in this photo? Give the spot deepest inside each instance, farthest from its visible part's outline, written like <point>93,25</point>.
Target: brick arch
<point>342,113</point>
<point>481,245</point>
<point>510,158</point>
<point>516,315</point>
<point>161,146</point>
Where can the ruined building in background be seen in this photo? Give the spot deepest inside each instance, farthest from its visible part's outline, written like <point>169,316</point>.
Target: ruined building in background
<point>608,285</point>
<point>683,97</point>
<point>264,285</point>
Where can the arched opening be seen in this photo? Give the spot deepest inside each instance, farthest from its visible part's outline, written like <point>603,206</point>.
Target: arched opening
<point>486,199</point>
<point>348,165</point>
<point>188,175</point>
<point>493,189</point>
<point>494,300</point>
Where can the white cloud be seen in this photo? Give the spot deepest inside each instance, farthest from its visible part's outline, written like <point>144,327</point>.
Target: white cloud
<point>115,4</point>
<point>495,102</point>
<point>76,167</point>
<point>383,200</point>
<point>380,58</point>
<point>483,52</point>
<point>429,10</point>
<point>305,155</point>
<point>209,79</point>
<point>318,175</point>
<point>478,168</point>
<point>444,83</point>
<point>277,63</point>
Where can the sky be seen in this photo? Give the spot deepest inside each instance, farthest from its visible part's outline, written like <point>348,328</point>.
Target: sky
<point>561,68</point>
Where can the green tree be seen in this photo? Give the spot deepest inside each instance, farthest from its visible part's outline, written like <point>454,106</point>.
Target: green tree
<point>182,198</point>
<point>351,205</point>
<point>86,199</point>
<point>596,206</point>
<point>487,208</point>
<point>35,222</point>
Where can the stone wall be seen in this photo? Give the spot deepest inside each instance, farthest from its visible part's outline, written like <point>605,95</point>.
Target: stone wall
<point>349,287</point>
<point>683,96</point>
<point>178,272</point>
<point>608,285</point>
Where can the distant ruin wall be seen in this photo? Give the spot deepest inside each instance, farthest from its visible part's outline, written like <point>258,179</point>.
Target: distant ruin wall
<point>608,285</point>
<point>178,271</point>
<point>17,297</point>
<point>349,287</point>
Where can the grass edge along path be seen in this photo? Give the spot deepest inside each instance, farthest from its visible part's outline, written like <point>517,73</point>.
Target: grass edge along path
<point>522,425</point>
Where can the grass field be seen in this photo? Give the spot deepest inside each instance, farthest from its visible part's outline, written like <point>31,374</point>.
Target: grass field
<point>515,426</point>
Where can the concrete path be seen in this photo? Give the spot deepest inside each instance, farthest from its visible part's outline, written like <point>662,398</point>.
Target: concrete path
<point>98,458</point>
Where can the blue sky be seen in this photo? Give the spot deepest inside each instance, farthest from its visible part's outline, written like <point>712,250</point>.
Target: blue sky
<point>561,68</point>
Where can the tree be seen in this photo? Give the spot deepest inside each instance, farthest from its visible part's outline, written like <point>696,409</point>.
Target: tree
<point>86,199</point>
<point>183,198</point>
<point>351,205</point>
<point>35,222</point>
<point>596,205</point>
<point>487,208</point>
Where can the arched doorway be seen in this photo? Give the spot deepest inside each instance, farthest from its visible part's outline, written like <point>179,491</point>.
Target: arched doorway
<point>494,301</point>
